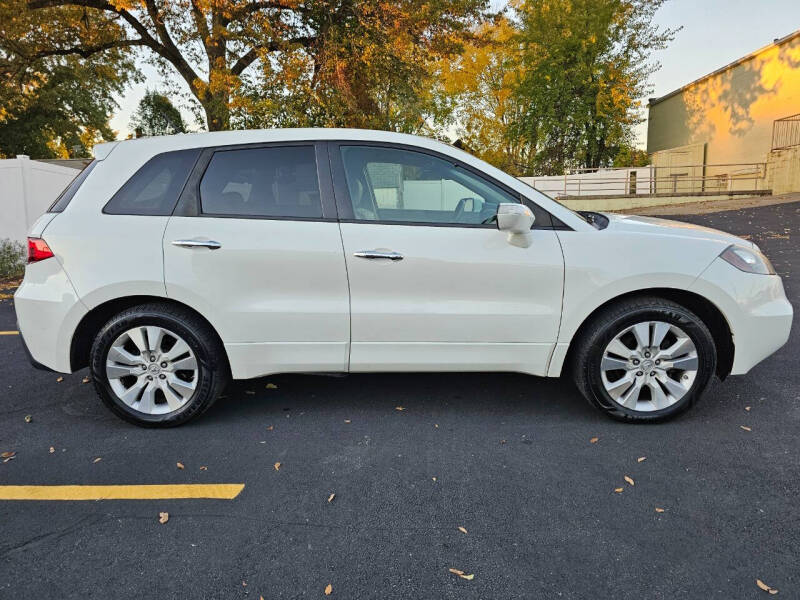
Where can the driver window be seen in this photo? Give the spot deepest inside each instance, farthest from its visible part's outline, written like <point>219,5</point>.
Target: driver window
<point>389,184</point>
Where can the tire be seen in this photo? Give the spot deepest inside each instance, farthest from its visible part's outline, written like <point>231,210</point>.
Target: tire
<point>156,395</point>
<point>688,371</point>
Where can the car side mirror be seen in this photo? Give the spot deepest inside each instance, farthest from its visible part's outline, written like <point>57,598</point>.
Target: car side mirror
<point>517,220</point>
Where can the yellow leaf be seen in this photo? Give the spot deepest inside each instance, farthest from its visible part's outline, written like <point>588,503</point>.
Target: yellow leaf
<point>331,497</point>
<point>462,529</point>
<point>594,440</point>
<point>270,428</point>
<point>272,386</point>
<point>399,408</point>
<point>97,460</point>
<point>59,380</point>
<point>746,428</point>
<point>277,466</point>
<point>765,587</point>
<point>179,465</point>
<point>641,459</point>
<point>7,454</point>
<point>629,480</point>
<point>328,589</point>
<point>618,490</point>
<point>163,517</point>
<point>456,571</point>
<point>469,577</point>
<point>659,510</point>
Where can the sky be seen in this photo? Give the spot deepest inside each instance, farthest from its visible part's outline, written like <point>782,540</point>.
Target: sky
<point>715,33</point>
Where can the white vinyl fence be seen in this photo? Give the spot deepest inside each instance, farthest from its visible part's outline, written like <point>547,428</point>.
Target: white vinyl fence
<point>27,189</point>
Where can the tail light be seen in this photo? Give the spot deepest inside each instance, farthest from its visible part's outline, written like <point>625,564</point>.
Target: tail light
<point>38,250</point>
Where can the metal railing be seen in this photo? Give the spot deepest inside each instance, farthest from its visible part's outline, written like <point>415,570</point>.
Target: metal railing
<point>675,180</point>
<point>786,132</point>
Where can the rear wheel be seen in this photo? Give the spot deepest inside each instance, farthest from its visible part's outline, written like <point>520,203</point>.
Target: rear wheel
<point>644,359</point>
<point>157,365</point>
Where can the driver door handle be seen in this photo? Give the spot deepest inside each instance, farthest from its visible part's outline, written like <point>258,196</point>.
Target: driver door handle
<point>210,244</point>
<point>372,254</point>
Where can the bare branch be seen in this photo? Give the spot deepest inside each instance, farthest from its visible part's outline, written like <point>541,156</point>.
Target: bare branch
<point>87,51</point>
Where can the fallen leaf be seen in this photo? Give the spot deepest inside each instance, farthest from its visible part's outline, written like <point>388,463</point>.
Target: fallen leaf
<point>456,571</point>
<point>628,479</point>
<point>347,420</point>
<point>251,392</point>
<point>747,408</point>
<point>59,380</point>
<point>469,577</point>
<point>272,386</point>
<point>163,517</point>
<point>399,408</point>
<point>434,478</point>
<point>502,441</point>
<point>462,529</point>
<point>746,428</point>
<point>618,490</point>
<point>98,459</point>
<point>85,380</point>
<point>594,440</point>
<point>331,497</point>
<point>270,428</point>
<point>436,425</point>
<point>659,510</point>
<point>7,456</point>
<point>765,587</point>
<point>52,449</point>
<point>204,468</point>
<point>179,465</point>
<point>328,589</point>
<point>641,459</point>
<point>277,466</point>
<point>28,418</point>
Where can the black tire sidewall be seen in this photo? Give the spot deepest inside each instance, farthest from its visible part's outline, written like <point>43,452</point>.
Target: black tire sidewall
<point>689,323</point>
<point>206,371</point>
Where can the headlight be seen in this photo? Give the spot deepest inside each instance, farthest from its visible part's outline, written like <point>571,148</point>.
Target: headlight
<point>748,260</point>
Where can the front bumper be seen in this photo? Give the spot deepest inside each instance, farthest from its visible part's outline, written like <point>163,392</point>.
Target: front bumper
<point>756,308</point>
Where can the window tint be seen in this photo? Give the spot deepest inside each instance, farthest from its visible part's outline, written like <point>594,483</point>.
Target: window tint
<point>154,189</point>
<point>262,182</point>
<point>389,184</point>
<point>66,196</point>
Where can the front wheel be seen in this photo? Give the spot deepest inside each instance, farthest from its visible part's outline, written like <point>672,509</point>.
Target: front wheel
<point>644,359</point>
<point>157,365</point>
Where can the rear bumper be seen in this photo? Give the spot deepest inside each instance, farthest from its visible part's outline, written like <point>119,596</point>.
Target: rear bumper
<point>48,312</point>
<point>36,364</point>
<point>756,308</point>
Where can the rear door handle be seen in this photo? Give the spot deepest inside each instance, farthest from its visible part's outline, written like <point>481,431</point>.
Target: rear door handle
<point>210,244</point>
<point>388,255</point>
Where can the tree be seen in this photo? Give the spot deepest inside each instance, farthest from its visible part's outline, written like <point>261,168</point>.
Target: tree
<point>156,115</point>
<point>344,61</point>
<point>481,84</point>
<point>53,105</point>
<point>587,64</point>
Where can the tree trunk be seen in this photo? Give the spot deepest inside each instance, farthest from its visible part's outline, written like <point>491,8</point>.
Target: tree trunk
<point>218,115</point>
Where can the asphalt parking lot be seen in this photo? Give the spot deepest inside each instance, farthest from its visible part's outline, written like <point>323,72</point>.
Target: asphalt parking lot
<point>509,458</point>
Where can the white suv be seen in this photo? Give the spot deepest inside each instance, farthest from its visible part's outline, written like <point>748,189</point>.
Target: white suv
<point>172,264</point>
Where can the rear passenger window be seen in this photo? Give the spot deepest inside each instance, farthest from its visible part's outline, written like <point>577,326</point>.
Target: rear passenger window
<point>262,182</point>
<point>154,189</point>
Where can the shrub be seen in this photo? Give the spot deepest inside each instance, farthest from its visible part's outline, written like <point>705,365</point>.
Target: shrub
<point>12,259</point>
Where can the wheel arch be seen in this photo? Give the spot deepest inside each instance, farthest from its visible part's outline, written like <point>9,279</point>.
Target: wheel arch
<point>708,312</point>
<point>98,316</point>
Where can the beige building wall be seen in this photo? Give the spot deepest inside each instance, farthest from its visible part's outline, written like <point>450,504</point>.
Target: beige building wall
<point>732,110</point>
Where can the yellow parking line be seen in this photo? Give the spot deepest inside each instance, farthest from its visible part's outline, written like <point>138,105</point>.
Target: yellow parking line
<point>221,491</point>
<point>9,332</point>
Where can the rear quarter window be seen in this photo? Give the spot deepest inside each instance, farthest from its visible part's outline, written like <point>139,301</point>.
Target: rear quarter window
<point>154,189</point>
